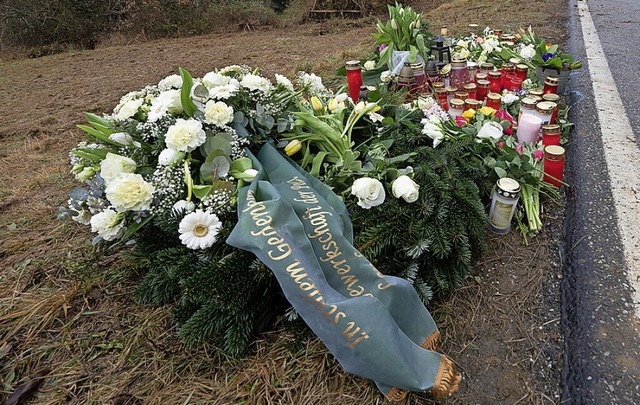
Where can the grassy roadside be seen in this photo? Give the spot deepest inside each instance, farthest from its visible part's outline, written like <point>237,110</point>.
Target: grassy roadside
<point>68,313</point>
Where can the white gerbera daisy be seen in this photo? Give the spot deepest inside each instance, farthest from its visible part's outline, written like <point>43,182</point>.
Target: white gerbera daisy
<point>199,229</point>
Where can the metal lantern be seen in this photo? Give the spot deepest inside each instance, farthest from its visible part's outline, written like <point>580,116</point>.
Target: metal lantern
<point>441,52</point>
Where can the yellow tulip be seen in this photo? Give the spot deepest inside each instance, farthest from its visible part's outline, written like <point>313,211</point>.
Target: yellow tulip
<point>317,104</point>
<point>293,147</point>
<point>469,114</point>
<point>487,111</point>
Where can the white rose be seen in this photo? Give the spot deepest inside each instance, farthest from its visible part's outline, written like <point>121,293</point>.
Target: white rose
<point>370,65</point>
<point>182,207</point>
<point>166,102</point>
<point>122,138</point>
<point>114,165</point>
<point>255,82</point>
<point>213,79</point>
<point>404,187</point>
<point>490,129</point>
<point>170,82</point>
<point>509,98</point>
<point>127,109</point>
<point>167,156</point>
<point>370,192</point>
<point>432,130</point>
<point>251,173</point>
<point>107,224</point>
<point>385,77</point>
<point>129,191</point>
<point>218,113</point>
<point>284,82</point>
<point>185,135</point>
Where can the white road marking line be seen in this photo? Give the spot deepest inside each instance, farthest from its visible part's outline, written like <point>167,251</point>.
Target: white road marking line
<point>620,151</point>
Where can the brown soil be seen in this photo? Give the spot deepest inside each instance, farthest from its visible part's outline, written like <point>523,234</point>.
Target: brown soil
<point>70,314</point>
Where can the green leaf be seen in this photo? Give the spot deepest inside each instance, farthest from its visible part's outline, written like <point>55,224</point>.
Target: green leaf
<point>201,191</point>
<point>133,228</point>
<point>98,135</point>
<point>188,105</point>
<point>221,141</point>
<point>500,172</point>
<point>317,163</point>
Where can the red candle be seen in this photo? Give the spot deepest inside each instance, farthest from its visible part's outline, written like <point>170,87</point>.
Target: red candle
<point>521,71</point>
<point>472,89</point>
<point>551,135</point>
<point>442,98</point>
<point>515,84</point>
<point>554,98</point>
<point>494,100</point>
<point>483,89</point>
<point>354,79</point>
<point>553,165</point>
<point>495,81</point>
<point>551,85</point>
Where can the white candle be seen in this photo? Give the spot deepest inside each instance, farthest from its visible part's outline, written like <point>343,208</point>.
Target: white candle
<point>528,129</point>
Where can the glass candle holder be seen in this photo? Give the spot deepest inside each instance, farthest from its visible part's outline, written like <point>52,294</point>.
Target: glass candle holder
<point>553,165</point>
<point>472,69</point>
<point>421,84</point>
<point>506,80</point>
<point>504,199</point>
<point>471,104</point>
<point>551,135</point>
<point>441,93</point>
<point>544,111</point>
<point>456,107</point>
<point>494,100</point>
<point>495,81</point>
<point>451,92</point>
<point>527,106</point>
<point>554,98</point>
<point>471,88</point>
<point>486,67</point>
<point>536,92</point>
<point>354,78</point>
<point>462,95</point>
<point>551,85</point>
<point>515,84</point>
<point>482,89</point>
<point>521,71</point>
<point>528,129</point>
<point>459,73</point>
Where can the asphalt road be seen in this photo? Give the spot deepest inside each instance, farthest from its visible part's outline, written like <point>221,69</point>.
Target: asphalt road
<point>602,353</point>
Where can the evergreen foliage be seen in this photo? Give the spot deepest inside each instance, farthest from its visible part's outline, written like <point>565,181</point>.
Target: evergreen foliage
<point>224,301</point>
<point>432,243</point>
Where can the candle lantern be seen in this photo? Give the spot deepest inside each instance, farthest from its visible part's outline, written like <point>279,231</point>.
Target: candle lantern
<point>551,135</point>
<point>495,80</point>
<point>527,106</point>
<point>553,165</point>
<point>494,100</point>
<point>486,67</point>
<point>472,68</point>
<point>482,90</point>
<point>515,84</point>
<point>354,78</point>
<point>554,98</point>
<point>504,200</point>
<point>406,77</point>
<point>551,85</point>
<point>459,73</point>
<point>471,104</point>
<point>421,84</point>
<point>451,92</point>
<point>497,33</point>
<point>431,70</point>
<point>456,107</point>
<point>481,76</point>
<point>441,52</point>
<point>472,89</point>
<point>462,95</point>
<point>364,93</point>
<point>544,111</point>
<point>521,71</point>
<point>441,92</point>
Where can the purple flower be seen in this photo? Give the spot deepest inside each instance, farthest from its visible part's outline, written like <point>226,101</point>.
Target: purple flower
<point>381,47</point>
<point>547,56</point>
<point>538,155</point>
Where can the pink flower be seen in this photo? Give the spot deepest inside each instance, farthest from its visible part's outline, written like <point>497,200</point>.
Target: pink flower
<point>381,47</point>
<point>509,131</point>
<point>461,121</point>
<point>500,145</point>
<point>537,155</point>
<point>504,116</point>
<point>519,149</point>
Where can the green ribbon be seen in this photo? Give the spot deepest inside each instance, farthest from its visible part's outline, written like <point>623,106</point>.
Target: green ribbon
<point>375,325</point>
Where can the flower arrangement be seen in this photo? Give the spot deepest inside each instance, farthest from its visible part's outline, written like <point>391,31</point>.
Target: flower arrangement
<point>545,54</point>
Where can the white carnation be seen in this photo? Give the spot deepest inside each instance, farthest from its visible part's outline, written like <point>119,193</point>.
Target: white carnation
<point>166,102</point>
<point>404,187</point>
<point>129,192</point>
<point>107,224</point>
<point>528,51</point>
<point>218,113</point>
<point>509,98</point>
<point>114,165</point>
<point>170,82</point>
<point>185,135</point>
<point>370,192</point>
<point>223,92</point>
<point>255,82</point>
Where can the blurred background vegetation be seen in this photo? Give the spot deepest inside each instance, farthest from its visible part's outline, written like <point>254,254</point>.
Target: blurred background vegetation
<point>50,26</point>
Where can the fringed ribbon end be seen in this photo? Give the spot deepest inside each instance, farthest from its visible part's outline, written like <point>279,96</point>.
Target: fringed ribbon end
<point>396,395</point>
<point>447,380</point>
<point>432,341</point>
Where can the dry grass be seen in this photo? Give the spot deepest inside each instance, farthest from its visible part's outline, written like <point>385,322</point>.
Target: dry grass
<point>69,312</point>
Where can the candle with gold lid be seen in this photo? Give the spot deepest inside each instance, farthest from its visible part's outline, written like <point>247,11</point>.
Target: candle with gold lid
<point>441,93</point>
<point>551,85</point>
<point>553,165</point>
<point>495,80</point>
<point>482,89</point>
<point>354,78</point>
<point>504,199</point>
<point>461,95</point>
<point>536,92</point>
<point>551,134</point>
<point>459,72</point>
<point>494,100</point>
<point>527,106</point>
<point>521,71</point>
<point>470,104</point>
<point>451,92</point>
<point>471,88</point>
<point>456,107</point>
<point>554,98</point>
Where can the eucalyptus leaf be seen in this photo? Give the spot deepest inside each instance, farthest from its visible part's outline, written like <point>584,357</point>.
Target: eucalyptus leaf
<point>219,141</point>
